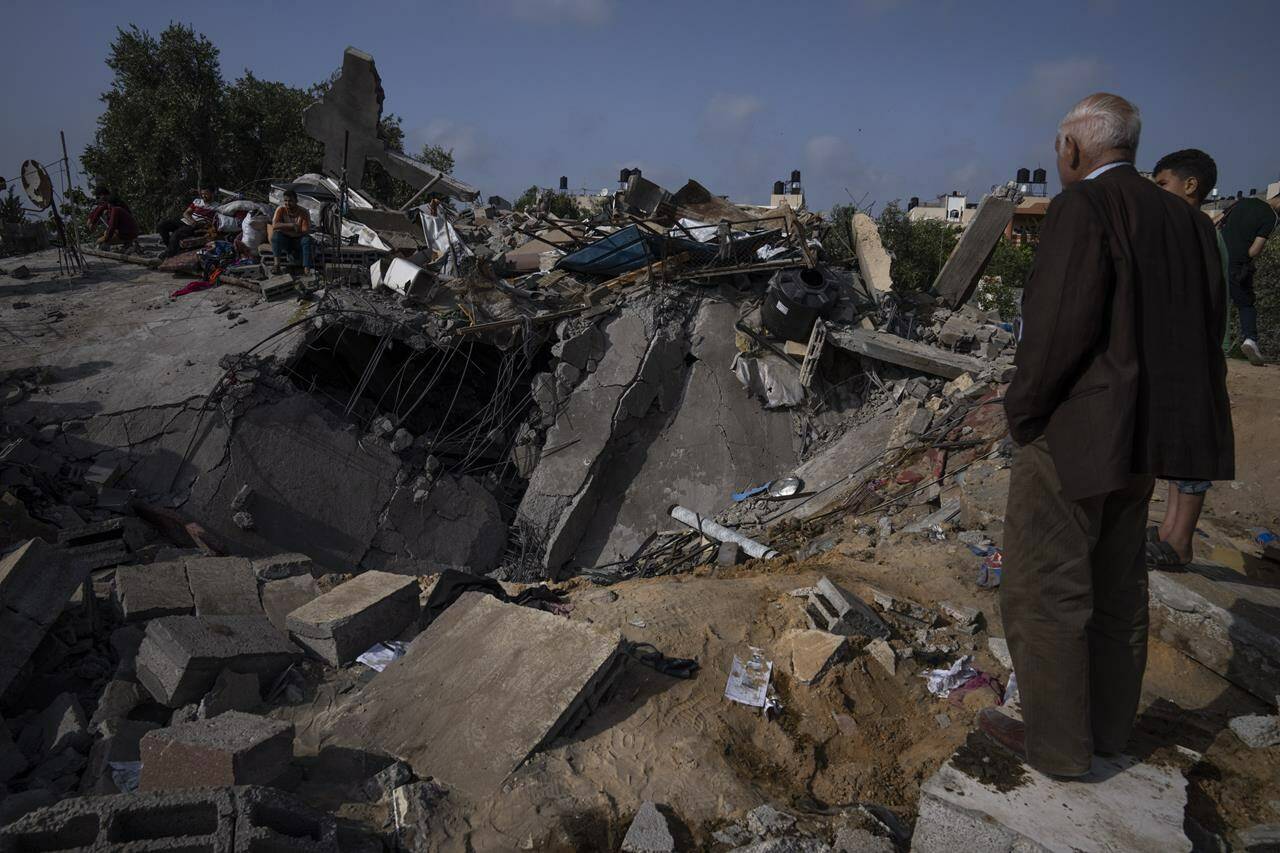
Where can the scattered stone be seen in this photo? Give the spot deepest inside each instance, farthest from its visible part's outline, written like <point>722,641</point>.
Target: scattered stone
<point>154,590</point>
<point>118,699</point>
<point>36,582</point>
<point>181,656</point>
<point>1263,838</point>
<point>243,520</point>
<point>728,554</point>
<point>765,821</point>
<point>343,623</point>
<point>811,652</point>
<point>380,785</point>
<point>883,654</point>
<point>230,749</point>
<point>283,566</point>
<point>241,500</point>
<point>282,597</point>
<point>64,725</point>
<point>649,832</point>
<point>119,743</point>
<point>223,586</point>
<point>852,839</point>
<point>401,441</point>
<point>999,648</point>
<point>1257,731</point>
<point>233,691</point>
<point>962,616</point>
<point>831,608</point>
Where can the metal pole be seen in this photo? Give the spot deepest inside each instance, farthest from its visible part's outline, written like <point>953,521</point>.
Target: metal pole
<point>720,533</point>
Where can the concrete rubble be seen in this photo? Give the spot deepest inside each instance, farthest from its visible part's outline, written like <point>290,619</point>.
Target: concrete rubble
<point>456,540</point>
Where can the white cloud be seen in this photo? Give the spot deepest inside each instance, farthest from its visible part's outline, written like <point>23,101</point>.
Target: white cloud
<point>728,111</point>
<point>1054,86</point>
<point>592,12</point>
<point>470,146</point>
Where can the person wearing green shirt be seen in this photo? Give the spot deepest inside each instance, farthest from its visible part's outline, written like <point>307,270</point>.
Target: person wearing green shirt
<point>1245,228</point>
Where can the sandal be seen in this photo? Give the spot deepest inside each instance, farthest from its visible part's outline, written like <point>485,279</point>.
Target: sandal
<point>648,654</point>
<point>1162,555</point>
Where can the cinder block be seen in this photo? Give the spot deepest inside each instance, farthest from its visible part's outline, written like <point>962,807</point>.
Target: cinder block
<point>833,609</point>
<point>344,622</point>
<point>181,656</point>
<point>223,586</point>
<point>243,819</point>
<point>231,749</point>
<point>148,592</point>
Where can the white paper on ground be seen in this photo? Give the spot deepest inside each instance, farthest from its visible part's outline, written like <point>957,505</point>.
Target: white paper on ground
<point>943,681</point>
<point>381,654</point>
<point>748,687</point>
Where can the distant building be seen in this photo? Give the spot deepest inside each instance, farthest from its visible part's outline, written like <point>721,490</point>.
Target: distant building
<point>956,209</point>
<point>1217,202</point>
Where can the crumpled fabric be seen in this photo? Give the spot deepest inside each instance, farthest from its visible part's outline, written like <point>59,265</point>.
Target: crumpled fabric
<point>942,681</point>
<point>982,679</point>
<point>192,287</point>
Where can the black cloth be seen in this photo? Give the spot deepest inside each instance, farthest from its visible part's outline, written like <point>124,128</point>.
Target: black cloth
<point>173,232</point>
<point>1245,221</point>
<point>453,583</point>
<point>1120,364</point>
<point>1241,285</point>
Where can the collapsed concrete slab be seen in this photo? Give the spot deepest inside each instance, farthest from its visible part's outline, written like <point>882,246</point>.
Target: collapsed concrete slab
<point>485,685</point>
<point>218,820</point>
<point>660,420</point>
<point>873,260</point>
<point>181,656</point>
<point>223,586</point>
<point>230,749</point>
<point>1123,805</point>
<point>36,582</point>
<point>344,622</point>
<point>891,349</point>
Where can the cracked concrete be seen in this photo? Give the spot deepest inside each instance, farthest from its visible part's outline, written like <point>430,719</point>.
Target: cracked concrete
<point>640,434</point>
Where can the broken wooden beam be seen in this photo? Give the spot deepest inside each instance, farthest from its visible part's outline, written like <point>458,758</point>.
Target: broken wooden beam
<point>959,276</point>
<point>883,346</point>
<point>141,260</point>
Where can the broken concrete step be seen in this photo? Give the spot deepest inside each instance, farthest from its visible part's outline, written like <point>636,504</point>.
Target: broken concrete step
<point>223,586</point>
<point>1125,805</point>
<point>181,656</point>
<point>482,688</point>
<point>838,611</point>
<point>230,749</point>
<point>346,621</point>
<point>810,653</point>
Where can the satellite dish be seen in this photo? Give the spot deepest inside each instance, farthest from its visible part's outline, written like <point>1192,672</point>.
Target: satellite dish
<point>35,180</point>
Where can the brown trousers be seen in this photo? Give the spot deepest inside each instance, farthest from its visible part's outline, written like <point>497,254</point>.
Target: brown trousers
<point>1073,599</point>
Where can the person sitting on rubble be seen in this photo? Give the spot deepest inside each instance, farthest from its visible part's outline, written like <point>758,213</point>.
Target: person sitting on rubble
<point>122,228</point>
<point>1190,175</point>
<point>290,232</point>
<point>195,221</point>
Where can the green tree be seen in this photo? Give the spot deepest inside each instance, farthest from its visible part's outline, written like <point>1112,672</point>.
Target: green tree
<point>159,134</point>
<point>262,134</point>
<point>837,241</point>
<point>11,209</point>
<point>919,248</point>
<point>438,158</point>
<point>1011,264</point>
<point>561,206</point>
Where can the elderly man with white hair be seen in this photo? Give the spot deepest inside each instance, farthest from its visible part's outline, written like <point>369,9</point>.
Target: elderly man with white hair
<point>1120,379</point>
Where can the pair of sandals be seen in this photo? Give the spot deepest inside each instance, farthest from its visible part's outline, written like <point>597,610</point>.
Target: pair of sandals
<point>1161,554</point>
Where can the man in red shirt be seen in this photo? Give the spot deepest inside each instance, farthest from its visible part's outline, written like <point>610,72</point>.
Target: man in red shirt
<point>122,228</point>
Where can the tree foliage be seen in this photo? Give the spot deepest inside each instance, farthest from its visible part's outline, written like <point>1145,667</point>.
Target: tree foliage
<point>171,123</point>
<point>557,204</point>
<point>11,209</point>
<point>918,248</point>
<point>159,135</point>
<point>837,241</point>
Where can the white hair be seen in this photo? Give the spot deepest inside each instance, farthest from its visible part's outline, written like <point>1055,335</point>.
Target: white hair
<point>1102,122</point>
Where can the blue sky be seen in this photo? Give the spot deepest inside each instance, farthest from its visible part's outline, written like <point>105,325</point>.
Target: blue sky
<point>870,99</point>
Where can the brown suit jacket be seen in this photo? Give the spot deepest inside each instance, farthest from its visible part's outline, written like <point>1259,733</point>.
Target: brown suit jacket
<point>1120,365</point>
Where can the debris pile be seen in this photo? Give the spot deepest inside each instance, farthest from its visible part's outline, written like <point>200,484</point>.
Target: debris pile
<point>439,539</point>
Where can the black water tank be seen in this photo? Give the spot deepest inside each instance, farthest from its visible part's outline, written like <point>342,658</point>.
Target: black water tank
<point>564,184</point>
<point>914,203</point>
<point>795,299</point>
<point>636,172</point>
<point>795,176</point>
<point>1039,176</point>
<point>1023,176</point>
<point>778,188</point>
<point>624,175</point>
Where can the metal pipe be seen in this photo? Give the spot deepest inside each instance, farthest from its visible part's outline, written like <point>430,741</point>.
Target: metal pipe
<point>720,533</point>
